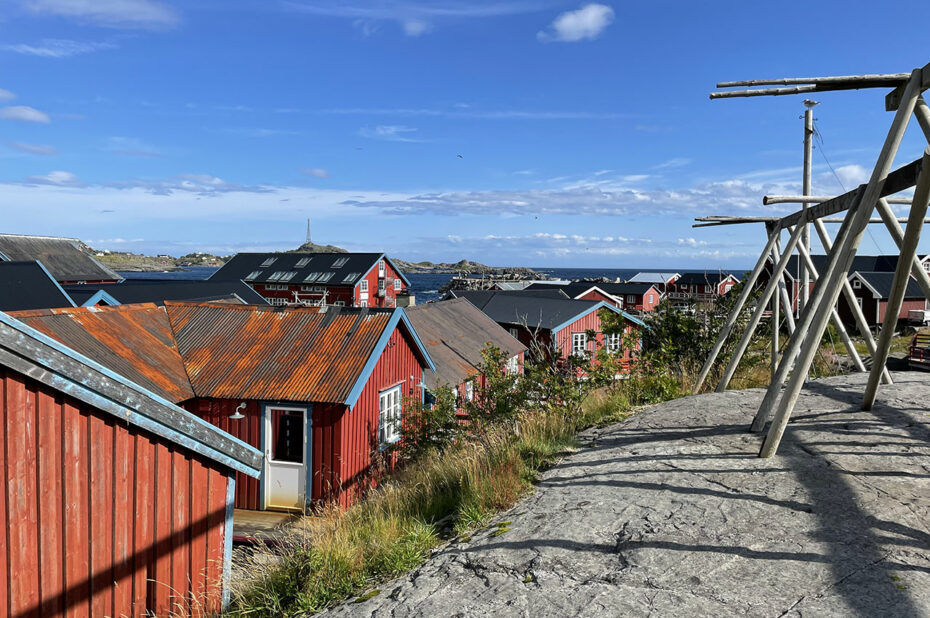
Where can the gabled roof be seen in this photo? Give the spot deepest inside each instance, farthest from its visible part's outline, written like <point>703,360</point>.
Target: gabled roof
<point>159,290</point>
<point>292,354</point>
<point>535,312</point>
<point>63,257</point>
<point>714,277</point>
<point>575,290</point>
<point>880,284</point>
<point>134,341</point>
<point>30,352</point>
<point>660,278</point>
<point>326,269</point>
<point>456,333</point>
<point>27,285</point>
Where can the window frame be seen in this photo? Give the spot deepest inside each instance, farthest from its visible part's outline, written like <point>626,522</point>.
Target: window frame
<point>390,416</point>
<point>363,286</point>
<point>613,343</point>
<point>583,349</point>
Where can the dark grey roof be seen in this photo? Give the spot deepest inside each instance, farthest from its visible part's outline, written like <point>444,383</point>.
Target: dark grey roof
<point>63,257</point>
<point>159,290</point>
<point>881,283</point>
<point>27,285</point>
<point>861,263</point>
<point>300,268</point>
<point>712,277</point>
<point>30,352</point>
<point>575,289</point>
<point>522,309</point>
<point>455,333</point>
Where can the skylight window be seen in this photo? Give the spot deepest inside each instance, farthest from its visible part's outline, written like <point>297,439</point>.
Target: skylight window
<point>325,277</point>
<point>351,277</point>
<point>311,277</point>
<point>255,274</point>
<point>276,276</point>
<point>339,263</point>
<point>288,275</point>
<point>269,261</point>
<point>302,262</point>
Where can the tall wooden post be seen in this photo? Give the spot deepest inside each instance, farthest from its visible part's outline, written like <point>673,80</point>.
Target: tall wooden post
<point>776,320</point>
<point>828,287</point>
<point>806,190</point>
<point>915,221</point>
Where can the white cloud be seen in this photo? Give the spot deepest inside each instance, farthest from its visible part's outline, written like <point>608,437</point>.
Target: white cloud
<point>57,178</point>
<point>692,242</point>
<point>852,176</point>
<point>588,22</point>
<point>34,149</point>
<point>131,147</point>
<point>416,27</point>
<point>315,172</point>
<point>6,95</point>
<point>23,113</point>
<point>109,13</point>
<point>58,48</point>
<point>390,132</point>
<point>672,163</point>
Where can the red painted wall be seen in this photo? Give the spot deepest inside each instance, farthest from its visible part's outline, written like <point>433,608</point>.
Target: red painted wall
<point>348,294</point>
<point>597,296</point>
<point>390,295</point>
<point>591,321</point>
<point>103,519</point>
<point>356,432</point>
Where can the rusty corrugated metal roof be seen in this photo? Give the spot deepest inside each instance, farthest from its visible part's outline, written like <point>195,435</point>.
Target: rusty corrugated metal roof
<point>134,341</point>
<point>455,333</point>
<point>290,354</point>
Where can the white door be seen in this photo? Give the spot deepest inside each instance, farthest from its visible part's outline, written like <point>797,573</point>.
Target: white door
<point>285,451</point>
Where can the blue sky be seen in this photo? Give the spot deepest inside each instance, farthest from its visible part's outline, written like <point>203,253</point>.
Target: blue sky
<point>510,132</point>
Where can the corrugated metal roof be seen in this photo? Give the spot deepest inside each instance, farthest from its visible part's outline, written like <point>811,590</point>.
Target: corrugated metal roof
<point>455,332</point>
<point>292,354</point>
<point>134,341</point>
<point>63,257</point>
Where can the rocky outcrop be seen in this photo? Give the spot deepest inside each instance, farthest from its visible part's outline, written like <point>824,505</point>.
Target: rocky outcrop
<point>672,514</point>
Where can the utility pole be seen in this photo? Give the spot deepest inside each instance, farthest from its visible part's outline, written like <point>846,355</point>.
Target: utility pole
<point>806,190</point>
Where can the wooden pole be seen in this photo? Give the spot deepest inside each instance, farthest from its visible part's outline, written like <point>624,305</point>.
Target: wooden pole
<point>817,199</point>
<point>897,234</point>
<point>851,301</point>
<point>785,299</point>
<point>837,322</point>
<point>829,285</point>
<point>901,277</point>
<point>776,320</point>
<point>753,323</point>
<point>923,117</point>
<point>734,314</point>
<point>890,79</point>
<point>806,190</point>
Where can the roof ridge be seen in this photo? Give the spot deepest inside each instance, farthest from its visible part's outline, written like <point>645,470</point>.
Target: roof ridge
<point>34,313</point>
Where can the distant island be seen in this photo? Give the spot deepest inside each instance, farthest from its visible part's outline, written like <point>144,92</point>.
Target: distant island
<point>136,262</point>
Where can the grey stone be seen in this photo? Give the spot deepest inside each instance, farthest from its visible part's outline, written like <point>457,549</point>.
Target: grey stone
<point>672,514</point>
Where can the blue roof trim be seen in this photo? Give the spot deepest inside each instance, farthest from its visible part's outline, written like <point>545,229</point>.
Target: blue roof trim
<point>53,280</point>
<point>398,317</point>
<point>101,295</point>
<point>120,409</point>
<point>599,305</point>
<point>403,277</point>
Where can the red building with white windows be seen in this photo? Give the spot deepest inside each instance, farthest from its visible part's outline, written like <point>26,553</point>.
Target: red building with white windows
<point>701,287</point>
<point>341,279</point>
<point>641,297</point>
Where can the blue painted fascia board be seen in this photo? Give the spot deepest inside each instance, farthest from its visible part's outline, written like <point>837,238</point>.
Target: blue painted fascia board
<point>57,285</point>
<point>398,317</point>
<point>600,305</point>
<point>101,295</point>
<point>228,539</point>
<point>120,409</point>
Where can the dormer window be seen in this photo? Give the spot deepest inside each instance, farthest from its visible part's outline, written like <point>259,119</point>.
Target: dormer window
<point>351,277</point>
<point>252,276</point>
<point>325,277</point>
<point>288,275</point>
<point>340,262</point>
<point>269,261</point>
<point>276,276</point>
<point>311,277</point>
<point>302,262</point>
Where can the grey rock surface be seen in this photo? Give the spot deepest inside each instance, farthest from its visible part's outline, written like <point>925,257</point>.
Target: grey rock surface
<point>672,514</point>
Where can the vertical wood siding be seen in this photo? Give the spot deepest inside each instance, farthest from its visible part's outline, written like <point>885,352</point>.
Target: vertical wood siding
<point>101,518</point>
<point>248,429</point>
<point>355,433</point>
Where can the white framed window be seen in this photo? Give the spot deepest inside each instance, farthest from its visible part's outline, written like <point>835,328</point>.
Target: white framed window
<point>579,344</point>
<point>389,421</point>
<point>927,266</point>
<point>325,277</point>
<point>470,390</point>
<point>351,277</point>
<point>397,285</point>
<point>269,261</point>
<point>514,332</point>
<point>381,268</point>
<point>252,276</point>
<point>652,298</point>
<point>381,286</point>
<point>339,303</point>
<point>708,288</point>
<point>339,263</point>
<point>613,342</point>
<point>857,284</point>
<point>278,302</point>
<point>513,365</point>
<point>302,262</point>
<point>363,302</point>
<point>859,301</point>
<point>363,285</point>
<point>631,299</point>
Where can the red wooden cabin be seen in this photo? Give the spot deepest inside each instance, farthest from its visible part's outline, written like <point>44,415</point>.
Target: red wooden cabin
<point>344,279</point>
<point>115,502</point>
<point>701,287</point>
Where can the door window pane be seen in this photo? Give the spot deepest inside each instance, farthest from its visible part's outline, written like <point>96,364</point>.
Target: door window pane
<point>287,428</point>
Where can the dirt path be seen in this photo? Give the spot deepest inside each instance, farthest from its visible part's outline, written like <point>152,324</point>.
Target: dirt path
<point>671,514</point>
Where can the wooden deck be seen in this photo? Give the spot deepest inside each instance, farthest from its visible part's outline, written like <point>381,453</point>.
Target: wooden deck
<point>249,525</point>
